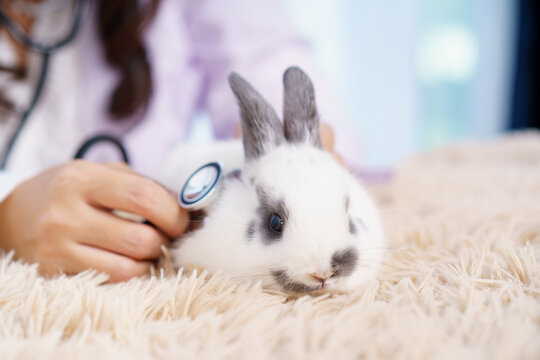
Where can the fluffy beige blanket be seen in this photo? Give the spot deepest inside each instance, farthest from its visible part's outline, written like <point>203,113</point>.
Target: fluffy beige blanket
<point>461,281</point>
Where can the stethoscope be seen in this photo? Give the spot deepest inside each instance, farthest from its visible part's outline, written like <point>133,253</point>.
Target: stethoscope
<point>202,188</point>
<point>199,190</point>
<point>46,50</point>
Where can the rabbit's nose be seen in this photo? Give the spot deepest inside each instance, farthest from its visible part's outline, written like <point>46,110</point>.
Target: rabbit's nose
<point>322,276</point>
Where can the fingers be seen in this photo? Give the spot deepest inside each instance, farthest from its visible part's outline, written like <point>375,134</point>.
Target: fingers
<point>119,268</point>
<point>238,131</point>
<point>339,158</point>
<point>140,196</point>
<point>120,166</point>
<point>135,240</point>
<point>327,136</point>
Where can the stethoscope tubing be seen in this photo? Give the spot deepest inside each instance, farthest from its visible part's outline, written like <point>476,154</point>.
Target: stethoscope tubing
<point>44,48</point>
<point>46,51</point>
<point>29,110</point>
<point>102,138</point>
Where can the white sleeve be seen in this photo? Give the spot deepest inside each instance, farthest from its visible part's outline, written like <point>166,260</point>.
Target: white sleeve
<point>8,182</point>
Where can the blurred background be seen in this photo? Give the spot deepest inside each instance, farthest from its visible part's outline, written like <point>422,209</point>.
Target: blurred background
<point>418,74</point>
<point>412,75</point>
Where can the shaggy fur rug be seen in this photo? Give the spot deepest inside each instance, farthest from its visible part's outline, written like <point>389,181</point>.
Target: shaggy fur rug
<point>461,281</point>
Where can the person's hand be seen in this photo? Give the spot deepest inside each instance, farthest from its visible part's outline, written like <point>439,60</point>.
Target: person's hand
<point>328,141</point>
<point>62,220</point>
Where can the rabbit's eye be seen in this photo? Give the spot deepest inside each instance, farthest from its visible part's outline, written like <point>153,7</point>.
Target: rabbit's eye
<point>276,223</point>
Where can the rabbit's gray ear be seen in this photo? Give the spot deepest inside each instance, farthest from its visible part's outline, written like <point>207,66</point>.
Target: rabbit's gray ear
<point>300,116</point>
<point>261,128</point>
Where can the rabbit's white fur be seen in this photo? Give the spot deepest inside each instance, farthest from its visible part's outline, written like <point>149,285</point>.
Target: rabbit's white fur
<point>314,187</point>
<point>331,221</point>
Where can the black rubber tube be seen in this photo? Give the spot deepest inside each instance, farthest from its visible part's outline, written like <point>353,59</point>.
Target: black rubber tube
<point>100,139</point>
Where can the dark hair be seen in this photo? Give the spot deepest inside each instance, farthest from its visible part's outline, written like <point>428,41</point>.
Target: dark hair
<point>121,25</point>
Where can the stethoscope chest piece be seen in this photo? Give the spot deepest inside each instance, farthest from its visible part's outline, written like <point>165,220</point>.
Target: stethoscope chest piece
<point>201,187</point>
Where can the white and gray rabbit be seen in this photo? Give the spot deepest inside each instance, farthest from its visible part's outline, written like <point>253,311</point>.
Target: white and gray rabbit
<point>295,220</point>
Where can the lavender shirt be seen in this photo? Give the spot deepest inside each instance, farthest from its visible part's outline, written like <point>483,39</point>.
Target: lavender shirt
<point>192,46</point>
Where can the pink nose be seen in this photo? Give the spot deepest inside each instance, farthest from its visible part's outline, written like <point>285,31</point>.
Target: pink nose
<point>321,275</point>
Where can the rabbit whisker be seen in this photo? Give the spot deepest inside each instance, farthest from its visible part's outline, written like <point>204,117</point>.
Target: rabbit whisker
<point>377,262</point>
<point>382,248</point>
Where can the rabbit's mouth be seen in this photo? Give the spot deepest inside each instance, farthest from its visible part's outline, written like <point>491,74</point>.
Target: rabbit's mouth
<point>292,286</point>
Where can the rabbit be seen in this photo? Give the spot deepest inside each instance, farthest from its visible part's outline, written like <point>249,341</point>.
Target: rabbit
<point>295,220</point>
